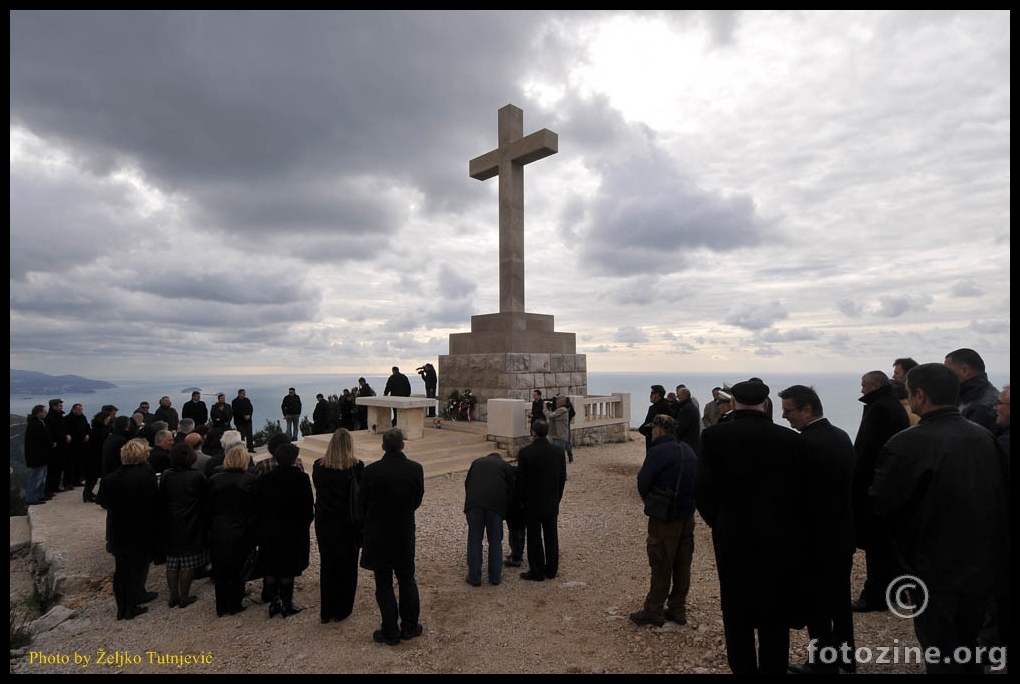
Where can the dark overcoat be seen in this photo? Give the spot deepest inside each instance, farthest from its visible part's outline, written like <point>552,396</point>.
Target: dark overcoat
<point>184,497</point>
<point>232,516</point>
<point>542,468</point>
<point>391,491</point>
<point>286,509</point>
<point>883,417</point>
<point>750,489</point>
<point>130,496</point>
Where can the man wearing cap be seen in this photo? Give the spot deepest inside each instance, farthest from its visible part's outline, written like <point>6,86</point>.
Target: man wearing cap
<point>750,489</point>
<point>670,542</point>
<point>221,413</point>
<point>724,400</point>
<point>659,405</point>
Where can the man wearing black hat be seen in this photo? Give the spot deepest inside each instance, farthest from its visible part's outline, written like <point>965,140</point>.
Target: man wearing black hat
<point>659,405</point>
<point>750,489</point>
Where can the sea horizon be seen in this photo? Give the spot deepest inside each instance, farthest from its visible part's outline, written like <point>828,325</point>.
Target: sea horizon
<point>839,392</point>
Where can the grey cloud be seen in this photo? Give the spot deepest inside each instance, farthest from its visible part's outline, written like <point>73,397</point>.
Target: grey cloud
<point>965,288</point>
<point>630,335</point>
<point>893,306</point>
<point>756,315</point>
<point>850,308</point>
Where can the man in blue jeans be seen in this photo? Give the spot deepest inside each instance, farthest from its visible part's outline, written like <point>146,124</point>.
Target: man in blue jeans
<point>291,408</point>
<point>488,491</point>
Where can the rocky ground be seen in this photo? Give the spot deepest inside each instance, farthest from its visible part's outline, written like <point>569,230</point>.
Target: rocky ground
<point>576,623</point>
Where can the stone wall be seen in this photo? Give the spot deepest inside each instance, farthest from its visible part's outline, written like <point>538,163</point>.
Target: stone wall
<point>511,375</point>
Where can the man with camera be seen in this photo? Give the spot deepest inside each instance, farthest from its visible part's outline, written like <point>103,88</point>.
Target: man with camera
<point>428,375</point>
<point>558,416</point>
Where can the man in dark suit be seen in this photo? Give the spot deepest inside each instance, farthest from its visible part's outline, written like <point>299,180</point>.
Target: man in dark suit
<point>391,491</point>
<point>659,405</point>
<point>750,489</point>
<point>542,469</point>
<point>830,472</point>
<point>241,408</point>
<point>883,417</point>
<point>196,409</point>
<point>397,385</point>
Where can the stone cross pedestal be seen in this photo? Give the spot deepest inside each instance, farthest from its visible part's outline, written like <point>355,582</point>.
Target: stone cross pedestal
<point>508,354</point>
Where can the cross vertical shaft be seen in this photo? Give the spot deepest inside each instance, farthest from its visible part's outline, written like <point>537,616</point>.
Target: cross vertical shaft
<point>507,161</point>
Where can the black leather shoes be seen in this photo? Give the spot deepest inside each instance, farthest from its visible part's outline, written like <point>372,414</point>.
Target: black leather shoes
<point>530,576</point>
<point>275,608</point>
<point>643,617</point>
<point>813,668</point>
<point>379,637</point>
<point>411,633</point>
<point>862,605</point>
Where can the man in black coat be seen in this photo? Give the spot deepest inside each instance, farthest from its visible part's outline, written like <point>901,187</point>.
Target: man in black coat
<point>750,489</point>
<point>542,469</point>
<point>196,409</point>
<point>942,487</point>
<point>830,474</point>
<point>659,405</point>
<point>61,440</point>
<point>431,380</point>
<point>320,415</point>
<point>391,491</point>
<point>688,419</point>
<point>397,385</point>
<point>883,417</point>
<point>978,396</point>
<point>241,408</point>
<point>38,448</point>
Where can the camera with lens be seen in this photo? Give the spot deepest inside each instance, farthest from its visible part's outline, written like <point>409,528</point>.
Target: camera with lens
<point>419,369</point>
<point>550,404</point>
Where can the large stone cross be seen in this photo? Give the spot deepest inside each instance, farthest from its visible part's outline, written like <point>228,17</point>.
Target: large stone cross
<point>507,161</point>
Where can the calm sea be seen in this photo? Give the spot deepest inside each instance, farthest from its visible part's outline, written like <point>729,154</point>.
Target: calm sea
<point>839,392</point>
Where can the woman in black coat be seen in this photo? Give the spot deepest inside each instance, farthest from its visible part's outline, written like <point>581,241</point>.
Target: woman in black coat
<point>338,536</point>
<point>130,496</point>
<point>184,495</point>
<point>285,512</point>
<point>232,518</point>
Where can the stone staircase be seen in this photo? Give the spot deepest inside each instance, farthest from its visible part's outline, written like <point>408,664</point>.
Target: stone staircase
<point>447,450</point>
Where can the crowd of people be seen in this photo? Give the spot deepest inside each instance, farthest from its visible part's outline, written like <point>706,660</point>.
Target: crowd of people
<point>922,489</point>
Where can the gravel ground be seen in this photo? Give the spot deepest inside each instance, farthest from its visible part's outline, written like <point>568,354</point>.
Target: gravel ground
<point>576,623</point>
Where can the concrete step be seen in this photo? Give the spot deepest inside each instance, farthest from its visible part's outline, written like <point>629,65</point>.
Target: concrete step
<point>442,451</point>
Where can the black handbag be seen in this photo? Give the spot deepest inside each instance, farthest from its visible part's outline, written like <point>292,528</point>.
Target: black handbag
<point>661,502</point>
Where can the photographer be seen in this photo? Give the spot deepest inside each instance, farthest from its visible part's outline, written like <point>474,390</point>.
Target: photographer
<point>558,415</point>
<point>428,375</point>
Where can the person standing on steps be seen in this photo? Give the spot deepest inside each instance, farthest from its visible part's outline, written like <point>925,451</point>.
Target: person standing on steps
<point>431,380</point>
<point>242,410</point>
<point>397,385</point>
<point>291,409</point>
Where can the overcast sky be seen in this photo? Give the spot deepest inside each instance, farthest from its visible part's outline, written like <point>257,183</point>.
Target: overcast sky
<point>271,192</point>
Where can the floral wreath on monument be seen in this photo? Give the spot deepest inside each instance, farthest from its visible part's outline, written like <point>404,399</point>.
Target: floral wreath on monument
<point>460,404</point>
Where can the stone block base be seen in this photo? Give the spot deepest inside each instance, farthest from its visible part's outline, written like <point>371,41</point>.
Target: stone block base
<point>511,375</point>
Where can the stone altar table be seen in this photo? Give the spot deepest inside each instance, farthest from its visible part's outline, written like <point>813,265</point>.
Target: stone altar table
<point>410,414</point>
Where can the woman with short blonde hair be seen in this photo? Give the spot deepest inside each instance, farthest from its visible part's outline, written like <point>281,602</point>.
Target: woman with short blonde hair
<point>237,458</point>
<point>135,451</point>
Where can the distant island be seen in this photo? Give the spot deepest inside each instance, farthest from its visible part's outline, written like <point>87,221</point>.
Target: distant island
<point>31,383</point>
